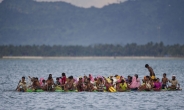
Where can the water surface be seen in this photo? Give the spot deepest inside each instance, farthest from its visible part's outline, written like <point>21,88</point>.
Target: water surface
<point>11,71</point>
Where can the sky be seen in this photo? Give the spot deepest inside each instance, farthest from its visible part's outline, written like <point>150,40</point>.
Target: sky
<point>86,3</point>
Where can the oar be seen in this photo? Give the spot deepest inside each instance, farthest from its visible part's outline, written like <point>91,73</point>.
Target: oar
<point>18,85</point>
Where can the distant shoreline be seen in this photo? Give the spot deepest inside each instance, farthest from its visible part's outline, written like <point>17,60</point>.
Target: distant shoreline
<point>88,57</point>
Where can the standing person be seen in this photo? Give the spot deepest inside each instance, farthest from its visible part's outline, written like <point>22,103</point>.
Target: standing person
<point>152,74</point>
<point>164,81</point>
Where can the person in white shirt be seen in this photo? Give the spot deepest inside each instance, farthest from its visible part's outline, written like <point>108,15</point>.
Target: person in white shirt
<point>22,85</point>
<point>174,83</point>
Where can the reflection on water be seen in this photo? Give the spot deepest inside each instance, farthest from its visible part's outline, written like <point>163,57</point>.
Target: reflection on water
<point>12,70</point>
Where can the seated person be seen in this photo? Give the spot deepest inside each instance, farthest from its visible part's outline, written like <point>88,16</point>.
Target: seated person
<point>122,86</point>
<point>174,83</point>
<point>100,86</point>
<point>85,79</point>
<point>57,83</point>
<point>135,83</point>
<point>79,85</point>
<point>22,85</point>
<point>113,84</point>
<point>164,81</point>
<point>157,85</point>
<point>43,86</point>
<point>129,80</point>
<point>69,85</point>
<point>50,83</point>
<point>89,86</point>
<point>36,84</point>
<point>146,84</point>
<point>63,80</point>
<point>108,83</point>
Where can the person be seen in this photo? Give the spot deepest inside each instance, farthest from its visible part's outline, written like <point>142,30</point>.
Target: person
<point>174,83</point>
<point>129,80</point>
<point>152,74</point>
<point>138,80</point>
<point>95,83</point>
<point>63,80</point>
<point>146,85</point>
<point>108,83</point>
<point>164,81</point>
<point>79,85</point>
<point>22,85</point>
<point>41,79</point>
<point>134,85</point>
<point>57,82</point>
<point>36,84</point>
<point>100,86</point>
<point>112,83</point>
<point>91,78</point>
<point>157,85</point>
<point>69,85</point>
<point>43,85</point>
<point>85,79</point>
<point>50,83</point>
<point>89,86</point>
<point>122,86</point>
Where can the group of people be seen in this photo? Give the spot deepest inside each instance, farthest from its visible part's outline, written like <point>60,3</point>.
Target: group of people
<point>100,83</point>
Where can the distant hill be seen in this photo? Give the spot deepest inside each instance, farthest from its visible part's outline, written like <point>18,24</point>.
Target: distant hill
<point>140,21</point>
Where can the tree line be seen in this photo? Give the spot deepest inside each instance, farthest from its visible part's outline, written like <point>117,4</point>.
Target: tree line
<point>133,49</point>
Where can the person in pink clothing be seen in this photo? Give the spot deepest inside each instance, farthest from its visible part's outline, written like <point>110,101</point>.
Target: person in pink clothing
<point>138,81</point>
<point>91,78</point>
<point>135,83</point>
<point>41,79</point>
<point>157,85</point>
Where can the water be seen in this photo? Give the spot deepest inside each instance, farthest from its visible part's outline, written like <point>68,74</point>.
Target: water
<point>11,71</point>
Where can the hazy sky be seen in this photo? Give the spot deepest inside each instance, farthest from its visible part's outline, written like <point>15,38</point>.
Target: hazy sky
<point>87,3</point>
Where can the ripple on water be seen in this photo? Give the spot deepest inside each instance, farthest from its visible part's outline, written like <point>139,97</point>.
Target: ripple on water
<point>12,70</point>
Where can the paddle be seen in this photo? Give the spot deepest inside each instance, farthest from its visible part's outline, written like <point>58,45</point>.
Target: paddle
<point>18,85</point>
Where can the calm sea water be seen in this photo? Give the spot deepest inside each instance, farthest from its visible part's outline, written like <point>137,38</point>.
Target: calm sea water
<point>11,71</point>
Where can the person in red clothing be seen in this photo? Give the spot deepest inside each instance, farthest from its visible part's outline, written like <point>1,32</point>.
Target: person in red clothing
<point>63,80</point>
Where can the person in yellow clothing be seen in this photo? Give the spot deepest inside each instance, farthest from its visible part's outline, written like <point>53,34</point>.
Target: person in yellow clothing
<point>152,74</point>
<point>122,86</point>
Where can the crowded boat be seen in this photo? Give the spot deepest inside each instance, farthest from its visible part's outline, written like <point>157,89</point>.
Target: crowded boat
<point>88,83</point>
